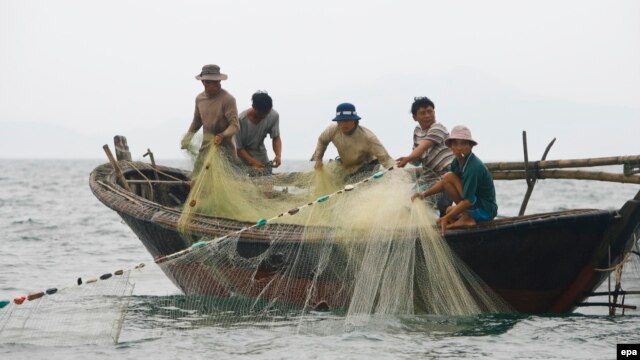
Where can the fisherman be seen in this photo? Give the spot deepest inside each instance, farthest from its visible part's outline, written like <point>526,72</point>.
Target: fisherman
<point>469,184</point>
<point>255,123</point>
<point>216,113</point>
<point>429,150</point>
<point>360,152</point>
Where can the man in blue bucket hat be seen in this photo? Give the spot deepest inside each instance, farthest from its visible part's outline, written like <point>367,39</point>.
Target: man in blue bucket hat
<point>359,149</point>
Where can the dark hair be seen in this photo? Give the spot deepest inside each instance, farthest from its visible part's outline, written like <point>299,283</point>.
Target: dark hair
<point>421,102</point>
<point>261,101</point>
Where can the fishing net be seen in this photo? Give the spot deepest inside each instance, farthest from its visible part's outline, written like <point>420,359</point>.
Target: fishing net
<point>357,249</point>
<point>314,247</point>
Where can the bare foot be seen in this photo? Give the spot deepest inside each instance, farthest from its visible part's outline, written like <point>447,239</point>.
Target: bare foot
<point>464,221</point>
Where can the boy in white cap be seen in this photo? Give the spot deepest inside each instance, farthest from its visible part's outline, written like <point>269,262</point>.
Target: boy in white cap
<point>469,184</point>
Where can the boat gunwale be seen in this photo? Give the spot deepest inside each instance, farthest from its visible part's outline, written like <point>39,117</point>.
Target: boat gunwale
<point>212,225</point>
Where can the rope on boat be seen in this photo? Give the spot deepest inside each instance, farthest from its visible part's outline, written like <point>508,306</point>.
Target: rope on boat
<point>626,256</point>
<point>260,223</point>
<point>615,267</point>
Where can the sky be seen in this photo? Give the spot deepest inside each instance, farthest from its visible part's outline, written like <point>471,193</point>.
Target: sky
<point>75,73</point>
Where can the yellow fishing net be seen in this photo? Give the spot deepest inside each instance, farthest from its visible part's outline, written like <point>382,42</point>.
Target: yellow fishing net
<point>361,249</point>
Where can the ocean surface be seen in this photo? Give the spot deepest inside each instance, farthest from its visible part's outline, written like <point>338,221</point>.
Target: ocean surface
<point>54,230</point>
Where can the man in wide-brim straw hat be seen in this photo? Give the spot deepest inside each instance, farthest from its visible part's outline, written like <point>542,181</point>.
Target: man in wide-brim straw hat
<point>469,184</point>
<point>216,112</point>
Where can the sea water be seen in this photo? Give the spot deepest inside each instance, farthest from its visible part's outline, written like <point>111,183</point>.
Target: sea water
<point>54,230</point>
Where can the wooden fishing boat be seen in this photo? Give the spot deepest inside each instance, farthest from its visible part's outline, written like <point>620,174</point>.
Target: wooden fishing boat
<point>537,263</point>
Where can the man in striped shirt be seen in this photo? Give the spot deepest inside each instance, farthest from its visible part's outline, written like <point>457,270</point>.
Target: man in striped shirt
<point>429,149</point>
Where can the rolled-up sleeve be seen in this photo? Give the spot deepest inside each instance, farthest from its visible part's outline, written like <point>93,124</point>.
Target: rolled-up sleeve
<point>274,132</point>
<point>231,114</point>
<point>378,150</point>
<point>323,141</point>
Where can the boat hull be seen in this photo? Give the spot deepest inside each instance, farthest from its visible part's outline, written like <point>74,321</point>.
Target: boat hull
<point>538,263</point>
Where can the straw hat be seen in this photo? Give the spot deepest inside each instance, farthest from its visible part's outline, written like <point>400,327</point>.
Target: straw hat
<point>211,72</point>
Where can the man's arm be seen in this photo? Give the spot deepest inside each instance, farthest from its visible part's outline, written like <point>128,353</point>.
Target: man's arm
<point>323,141</point>
<point>423,146</point>
<point>277,149</point>
<point>379,151</point>
<point>231,114</point>
<point>196,124</point>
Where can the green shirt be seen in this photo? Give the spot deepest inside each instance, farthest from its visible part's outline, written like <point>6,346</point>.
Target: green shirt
<point>477,184</point>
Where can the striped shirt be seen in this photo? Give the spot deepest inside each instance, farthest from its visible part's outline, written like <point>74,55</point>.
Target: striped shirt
<point>436,160</point>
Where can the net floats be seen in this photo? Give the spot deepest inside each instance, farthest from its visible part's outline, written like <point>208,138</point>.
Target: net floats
<point>19,300</point>
<point>199,244</point>
<point>35,295</point>
<point>105,276</point>
<point>51,291</point>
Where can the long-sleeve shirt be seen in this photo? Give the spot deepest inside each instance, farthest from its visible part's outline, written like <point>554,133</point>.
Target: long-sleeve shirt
<point>217,115</point>
<point>357,148</point>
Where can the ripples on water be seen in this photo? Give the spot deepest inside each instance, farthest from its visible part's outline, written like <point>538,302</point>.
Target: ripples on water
<point>54,230</point>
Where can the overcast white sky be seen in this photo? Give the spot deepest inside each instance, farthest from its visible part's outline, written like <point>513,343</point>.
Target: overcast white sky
<point>75,73</point>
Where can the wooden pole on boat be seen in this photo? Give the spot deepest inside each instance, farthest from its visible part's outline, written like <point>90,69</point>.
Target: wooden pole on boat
<point>572,163</point>
<point>531,177</point>
<point>531,181</point>
<point>113,162</point>
<point>568,174</point>
<point>180,182</point>
<point>153,163</point>
<point>122,149</point>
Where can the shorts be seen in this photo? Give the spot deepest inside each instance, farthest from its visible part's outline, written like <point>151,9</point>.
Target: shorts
<point>479,214</point>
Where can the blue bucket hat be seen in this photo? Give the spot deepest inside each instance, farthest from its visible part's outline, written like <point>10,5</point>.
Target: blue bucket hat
<point>346,111</point>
